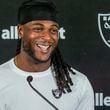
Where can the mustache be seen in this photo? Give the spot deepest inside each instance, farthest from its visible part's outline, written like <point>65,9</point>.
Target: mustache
<point>44,43</point>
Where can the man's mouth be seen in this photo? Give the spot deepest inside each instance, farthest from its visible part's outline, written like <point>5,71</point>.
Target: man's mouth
<point>44,48</point>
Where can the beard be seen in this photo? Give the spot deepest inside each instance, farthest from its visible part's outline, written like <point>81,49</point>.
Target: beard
<point>27,47</point>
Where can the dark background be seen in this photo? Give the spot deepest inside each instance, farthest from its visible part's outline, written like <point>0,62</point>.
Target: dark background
<point>83,47</point>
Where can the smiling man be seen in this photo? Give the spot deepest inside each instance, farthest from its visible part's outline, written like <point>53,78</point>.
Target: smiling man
<point>37,78</point>
<point>39,40</point>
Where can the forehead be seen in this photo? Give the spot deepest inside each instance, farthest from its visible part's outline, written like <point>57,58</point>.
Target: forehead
<point>43,23</point>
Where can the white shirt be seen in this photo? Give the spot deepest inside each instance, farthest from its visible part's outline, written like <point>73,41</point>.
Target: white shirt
<point>16,94</point>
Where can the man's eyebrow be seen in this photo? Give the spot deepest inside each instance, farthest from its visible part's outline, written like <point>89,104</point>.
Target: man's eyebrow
<point>37,24</point>
<point>56,25</point>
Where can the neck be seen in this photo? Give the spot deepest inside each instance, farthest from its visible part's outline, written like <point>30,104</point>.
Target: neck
<point>25,63</point>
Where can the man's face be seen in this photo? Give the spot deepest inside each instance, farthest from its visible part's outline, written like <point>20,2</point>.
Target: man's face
<point>39,39</point>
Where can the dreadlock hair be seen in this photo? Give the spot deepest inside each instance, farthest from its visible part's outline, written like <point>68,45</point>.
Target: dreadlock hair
<point>46,10</point>
<point>60,70</point>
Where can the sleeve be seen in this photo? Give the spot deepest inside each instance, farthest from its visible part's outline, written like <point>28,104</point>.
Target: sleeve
<point>87,98</point>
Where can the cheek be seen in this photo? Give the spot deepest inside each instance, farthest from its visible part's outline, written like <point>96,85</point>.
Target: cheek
<point>25,45</point>
<point>28,38</point>
<point>26,42</point>
<point>56,39</point>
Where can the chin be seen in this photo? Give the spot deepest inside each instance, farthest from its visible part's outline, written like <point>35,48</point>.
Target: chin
<point>41,60</point>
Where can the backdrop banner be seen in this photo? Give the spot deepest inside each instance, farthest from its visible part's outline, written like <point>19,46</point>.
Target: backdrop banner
<point>84,40</point>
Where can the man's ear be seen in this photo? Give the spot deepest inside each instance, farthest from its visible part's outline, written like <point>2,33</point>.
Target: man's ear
<point>20,30</point>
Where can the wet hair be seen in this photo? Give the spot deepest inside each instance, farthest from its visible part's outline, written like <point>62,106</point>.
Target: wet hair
<point>60,69</point>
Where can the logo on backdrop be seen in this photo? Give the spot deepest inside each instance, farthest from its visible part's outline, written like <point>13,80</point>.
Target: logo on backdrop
<point>104,27</point>
<point>102,100</point>
<point>12,33</point>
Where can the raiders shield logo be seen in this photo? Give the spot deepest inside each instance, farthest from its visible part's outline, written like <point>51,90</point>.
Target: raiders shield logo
<point>104,27</point>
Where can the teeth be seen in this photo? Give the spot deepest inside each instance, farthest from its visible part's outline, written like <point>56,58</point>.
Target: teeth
<point>43,47</point>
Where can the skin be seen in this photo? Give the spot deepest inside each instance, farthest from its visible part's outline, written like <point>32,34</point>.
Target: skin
<point>39,40</point>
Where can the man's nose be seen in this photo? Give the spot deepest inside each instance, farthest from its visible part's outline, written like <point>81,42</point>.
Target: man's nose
<point>47,35</point>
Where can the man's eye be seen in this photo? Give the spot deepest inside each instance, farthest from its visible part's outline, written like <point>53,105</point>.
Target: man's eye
<point>38,29</point>
<point>54,31</point>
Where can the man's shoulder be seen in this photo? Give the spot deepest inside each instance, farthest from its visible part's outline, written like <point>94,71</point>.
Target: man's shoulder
<point>78,75</point>
<point>81,82</point>
<point>4,73</point>
<point>80,79</point>
<point>5,67</point>
<point>5,64</point>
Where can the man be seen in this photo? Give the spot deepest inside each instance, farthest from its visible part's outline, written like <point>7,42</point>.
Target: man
<point>37,78</point>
